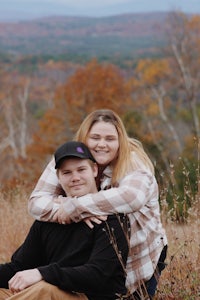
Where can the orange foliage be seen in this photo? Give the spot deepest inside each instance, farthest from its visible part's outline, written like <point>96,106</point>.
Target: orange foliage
<point>91,87</point>
<point>95,86</point>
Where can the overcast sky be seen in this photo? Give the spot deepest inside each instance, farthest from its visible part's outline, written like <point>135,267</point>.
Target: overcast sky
<point>25,9</point>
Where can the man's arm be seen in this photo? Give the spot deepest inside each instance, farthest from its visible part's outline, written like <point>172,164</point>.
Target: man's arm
<point>27,256</point>
<point>6,272</point>
<point>105,261</point>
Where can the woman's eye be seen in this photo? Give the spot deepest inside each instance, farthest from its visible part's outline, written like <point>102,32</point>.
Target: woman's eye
<point>109,139</point>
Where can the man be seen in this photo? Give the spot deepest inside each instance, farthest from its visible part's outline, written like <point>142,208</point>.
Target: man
<point>70,261</point>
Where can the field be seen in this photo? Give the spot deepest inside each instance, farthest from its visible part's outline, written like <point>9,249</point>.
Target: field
<point>181,278</point>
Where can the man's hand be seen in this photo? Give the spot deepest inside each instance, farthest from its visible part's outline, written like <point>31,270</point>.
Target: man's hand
<point>24,279</point>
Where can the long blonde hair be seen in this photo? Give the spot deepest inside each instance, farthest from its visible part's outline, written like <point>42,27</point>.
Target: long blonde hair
<point>124,163</point>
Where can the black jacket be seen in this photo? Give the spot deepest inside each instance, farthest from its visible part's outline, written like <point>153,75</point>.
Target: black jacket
<point>75,257</point>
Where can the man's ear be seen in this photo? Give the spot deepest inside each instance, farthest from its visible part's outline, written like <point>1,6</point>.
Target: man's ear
<point>95,168</point>
<point>57,173</point>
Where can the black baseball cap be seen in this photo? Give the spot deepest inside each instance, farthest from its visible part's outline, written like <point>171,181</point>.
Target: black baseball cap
<point>72,149</point>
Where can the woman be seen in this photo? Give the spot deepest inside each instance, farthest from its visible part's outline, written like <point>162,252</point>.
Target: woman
<point>126,184</point>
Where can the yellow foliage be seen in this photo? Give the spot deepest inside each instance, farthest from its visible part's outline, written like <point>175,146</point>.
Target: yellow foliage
<point>153,109</point>
<point>152,71</point>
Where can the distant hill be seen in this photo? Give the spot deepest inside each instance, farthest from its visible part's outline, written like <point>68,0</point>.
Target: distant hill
<point>118,37</point>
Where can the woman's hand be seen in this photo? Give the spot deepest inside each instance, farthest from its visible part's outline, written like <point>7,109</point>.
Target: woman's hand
<point>62,217</point>
<point>94,219</point>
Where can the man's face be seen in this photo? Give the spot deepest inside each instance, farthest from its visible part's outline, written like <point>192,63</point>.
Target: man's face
<point>77,176</point>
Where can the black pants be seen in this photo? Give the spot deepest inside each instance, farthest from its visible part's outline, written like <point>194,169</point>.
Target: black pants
<point>148,290</point>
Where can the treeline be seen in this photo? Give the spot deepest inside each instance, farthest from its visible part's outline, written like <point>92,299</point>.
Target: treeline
<point>128,35</point>
<point>158,100</point>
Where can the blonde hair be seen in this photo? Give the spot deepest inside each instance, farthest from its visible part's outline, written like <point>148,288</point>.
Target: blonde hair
<point>124,163</point>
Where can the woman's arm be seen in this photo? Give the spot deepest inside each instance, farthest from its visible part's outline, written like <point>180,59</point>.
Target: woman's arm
<point>44,200</point>
<point>134,191</point>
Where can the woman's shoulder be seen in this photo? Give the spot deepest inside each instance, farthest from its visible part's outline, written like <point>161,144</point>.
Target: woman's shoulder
<point>137,163</point>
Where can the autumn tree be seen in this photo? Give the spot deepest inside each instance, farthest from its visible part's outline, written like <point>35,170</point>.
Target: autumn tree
<point>14,121</point>
<point>95,86</point>
<point>169,88</point>
<point>23,101</point>
<point>151,101</point>
<point>168,93</point>
<point>91,87</point>
<point>184,50</point>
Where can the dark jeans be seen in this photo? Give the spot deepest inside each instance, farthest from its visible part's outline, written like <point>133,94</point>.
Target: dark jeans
<point>149,289</point>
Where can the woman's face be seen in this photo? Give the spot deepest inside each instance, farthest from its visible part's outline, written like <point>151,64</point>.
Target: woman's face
<point>103,142</point>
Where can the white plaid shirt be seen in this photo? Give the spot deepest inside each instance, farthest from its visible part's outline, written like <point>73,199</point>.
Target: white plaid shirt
<point>136,195</point>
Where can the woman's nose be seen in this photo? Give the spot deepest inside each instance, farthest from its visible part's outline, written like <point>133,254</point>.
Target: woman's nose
<point>102,143</point>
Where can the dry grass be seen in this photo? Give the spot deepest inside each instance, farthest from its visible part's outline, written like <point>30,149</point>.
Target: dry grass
<point>14,221</point>
<point>180,280</point>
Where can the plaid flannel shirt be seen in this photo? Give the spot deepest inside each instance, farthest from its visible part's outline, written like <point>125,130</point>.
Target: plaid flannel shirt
<point>136,195</point>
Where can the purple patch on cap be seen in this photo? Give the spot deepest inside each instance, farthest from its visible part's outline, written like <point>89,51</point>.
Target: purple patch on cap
<point>80,150</point>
